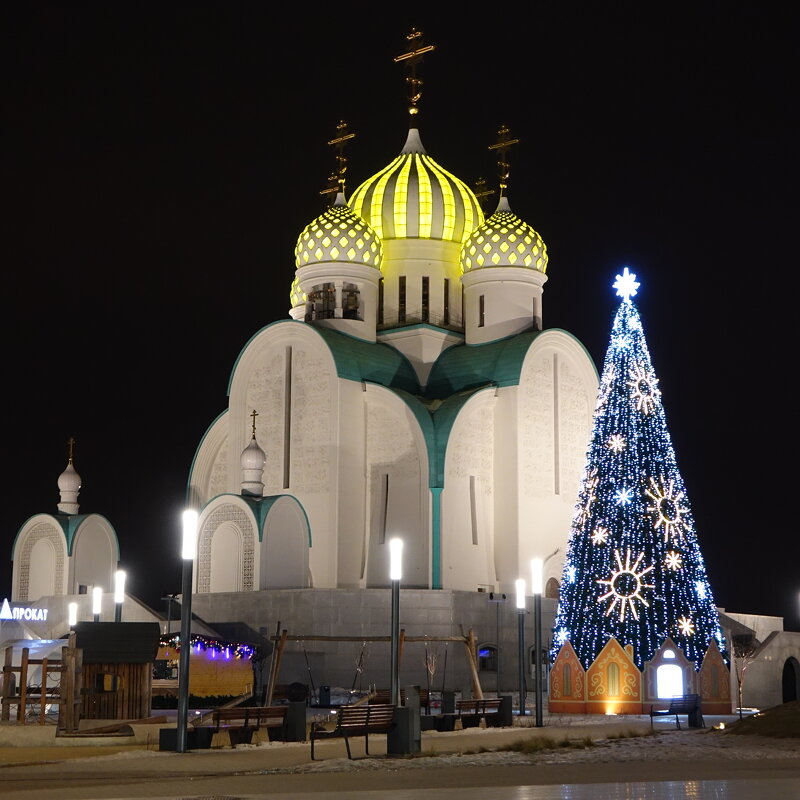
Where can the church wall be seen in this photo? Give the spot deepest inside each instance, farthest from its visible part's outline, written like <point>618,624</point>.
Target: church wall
<point>351,511</point>
<point>287,374</point>
<point>507,521</point>
<point>414,259</point>
<point>558,384</point>
<point>468,497</point>
<point>397,489</point>
<point>27,582</point>
<point>94,554</point>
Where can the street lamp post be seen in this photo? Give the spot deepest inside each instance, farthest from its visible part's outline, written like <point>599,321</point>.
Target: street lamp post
<point>187,554</point>
<point>119,594</point>
<point>97,602</point>
<point>537,570</point>
<point>395,575</point>
<point>520,586</point>
<point>72,615</point>
<point>497,599</point>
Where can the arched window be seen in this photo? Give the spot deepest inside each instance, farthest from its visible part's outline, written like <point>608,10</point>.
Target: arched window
<point>669,681</point>
<point>567,678</point>
<point>487,658</point>
<point>551,589</point>
<point>613,680</point>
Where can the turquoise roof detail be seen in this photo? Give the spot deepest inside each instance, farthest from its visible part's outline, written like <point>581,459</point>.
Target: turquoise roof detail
<point>357,360</point>
<point>373,362</point>
<point>69,524</point>
<point>471,366</point>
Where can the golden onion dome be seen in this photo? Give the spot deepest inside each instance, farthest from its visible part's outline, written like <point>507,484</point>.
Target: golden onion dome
<point>414,198</point>
<point>296,296</point>
<point>504,240</point>
<point>338,234</point>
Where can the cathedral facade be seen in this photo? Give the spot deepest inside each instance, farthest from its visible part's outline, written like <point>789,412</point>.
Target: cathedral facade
<point>412,391</point>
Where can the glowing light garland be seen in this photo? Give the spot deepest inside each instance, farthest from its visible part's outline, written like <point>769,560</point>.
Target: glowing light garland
<point>633,569</point>
<point>214,648</point>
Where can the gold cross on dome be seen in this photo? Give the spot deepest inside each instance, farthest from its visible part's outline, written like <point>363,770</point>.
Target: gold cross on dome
<point>254,415</point>
<point>504,142</point>
<point>415,50</point>
<point>336,178</point>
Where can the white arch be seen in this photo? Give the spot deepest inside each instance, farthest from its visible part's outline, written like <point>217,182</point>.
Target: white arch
<point>285,546</point>
<point>24,580</point>
<point>95,554</point>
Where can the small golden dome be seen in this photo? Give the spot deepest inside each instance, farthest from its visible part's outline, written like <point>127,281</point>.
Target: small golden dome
<point>504,240</point>
<point>338,234</point>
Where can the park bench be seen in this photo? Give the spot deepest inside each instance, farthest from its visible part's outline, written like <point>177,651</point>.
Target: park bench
<point>472,711</point>
<point>356,721</point>
<point>384,696</point>
<point>241,722</point>
<point>688,704</point>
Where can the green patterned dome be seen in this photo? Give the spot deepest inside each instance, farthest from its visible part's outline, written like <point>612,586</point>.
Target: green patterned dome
<point>414,198</point>
<point>504,240</point>
<point>338,234</point>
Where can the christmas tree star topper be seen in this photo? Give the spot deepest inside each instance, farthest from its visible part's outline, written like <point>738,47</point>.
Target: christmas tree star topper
<point>626,285</point>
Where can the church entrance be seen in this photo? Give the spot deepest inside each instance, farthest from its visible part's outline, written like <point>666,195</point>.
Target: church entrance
<point>791,680</point>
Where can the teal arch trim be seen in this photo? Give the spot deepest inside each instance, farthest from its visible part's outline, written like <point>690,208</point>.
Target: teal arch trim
<point>261,508</point>
<point>71,522</point>
<point>436,537</point>
<point>197,452</point>
<point>354,358</point>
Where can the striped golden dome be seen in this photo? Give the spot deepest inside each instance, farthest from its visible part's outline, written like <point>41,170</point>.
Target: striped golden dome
<point>414,198</point>
<point>338,234</point>
<point>504,240</point>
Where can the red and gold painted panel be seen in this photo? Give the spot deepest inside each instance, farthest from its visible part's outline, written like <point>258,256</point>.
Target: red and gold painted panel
<point>567,683</point>
<point>613,683</point>
<point>715,683</point>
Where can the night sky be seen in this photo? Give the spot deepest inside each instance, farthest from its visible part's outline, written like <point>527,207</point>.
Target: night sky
<point>160,160</point>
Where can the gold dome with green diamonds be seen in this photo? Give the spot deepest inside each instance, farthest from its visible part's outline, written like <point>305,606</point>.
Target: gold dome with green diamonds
<point>504,240</point>
<point>338,234</point>
<point>414,198</point>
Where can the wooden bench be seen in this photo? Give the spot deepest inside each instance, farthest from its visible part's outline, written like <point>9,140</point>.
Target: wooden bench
<point>474,710</point>
<point>356,721</point>
<point>688,704</point>
<point>241,722</point>
<point>384,697</point>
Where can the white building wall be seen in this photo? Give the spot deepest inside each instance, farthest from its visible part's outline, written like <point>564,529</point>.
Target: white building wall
<point>397,486</point>
<point>467,504</point>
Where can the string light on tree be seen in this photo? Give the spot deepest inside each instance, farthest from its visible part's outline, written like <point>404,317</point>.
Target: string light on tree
<point>647,581</point>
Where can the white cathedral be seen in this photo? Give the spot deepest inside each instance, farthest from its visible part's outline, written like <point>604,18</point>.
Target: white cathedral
<point>413,393</point>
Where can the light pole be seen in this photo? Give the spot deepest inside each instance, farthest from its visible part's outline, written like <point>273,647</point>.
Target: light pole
<point>72,615</point>
<point>520,585</point>
<point>119,594</point>
<point>187,554</point>
<point>97,602</point>
<point>497,599</point>
<point>395,575</point>
<point>537,569</point>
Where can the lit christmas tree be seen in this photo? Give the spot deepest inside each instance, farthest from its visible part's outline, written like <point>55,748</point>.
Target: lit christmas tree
<point>633,570</point>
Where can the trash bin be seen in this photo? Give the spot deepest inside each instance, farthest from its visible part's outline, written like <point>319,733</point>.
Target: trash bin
<point>324,697</point>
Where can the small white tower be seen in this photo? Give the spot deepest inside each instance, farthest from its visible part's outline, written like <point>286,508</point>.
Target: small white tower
<point>252,461</point>
<point>69,485</point>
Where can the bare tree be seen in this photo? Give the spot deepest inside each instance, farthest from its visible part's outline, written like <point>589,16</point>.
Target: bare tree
<point>745,647</point>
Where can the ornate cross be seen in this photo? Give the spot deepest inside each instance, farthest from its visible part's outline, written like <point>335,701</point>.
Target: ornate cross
<point>254,415</point>
<point>70,447</point>
<point>415,50</point>
<point>504,142</point>
<point>336,178</point>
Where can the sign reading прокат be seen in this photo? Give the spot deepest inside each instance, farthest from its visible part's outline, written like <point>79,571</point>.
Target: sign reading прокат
<point>24,613</point>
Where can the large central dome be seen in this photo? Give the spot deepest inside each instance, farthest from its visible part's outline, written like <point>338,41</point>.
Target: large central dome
<point>414,198</point>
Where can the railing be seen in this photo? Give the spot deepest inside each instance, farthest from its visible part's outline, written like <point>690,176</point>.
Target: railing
<point>419,317</point>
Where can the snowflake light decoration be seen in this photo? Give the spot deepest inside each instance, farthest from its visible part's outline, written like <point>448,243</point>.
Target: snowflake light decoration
<point>623,496</point>
<point>561,636</point>
<point>644,389</point>
<point>686,626</point>
<point>571,573</point>
<point>666,508</point>
<point>616,443</point>
<point>599,536</point>
<point>673,560</point>
<point>700,588</point>
<point>625,586</point>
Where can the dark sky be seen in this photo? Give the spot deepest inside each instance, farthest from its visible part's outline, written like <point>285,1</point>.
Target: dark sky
<point>160,160</point>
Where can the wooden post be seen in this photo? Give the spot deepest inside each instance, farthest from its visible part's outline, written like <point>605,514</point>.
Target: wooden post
<point>23,685</point>
<point>8,679</point>
<point>66,709</point>
<point>279,647</point>
<point>43,696</point>
<point>470,643</point>
<point>77,697</point>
